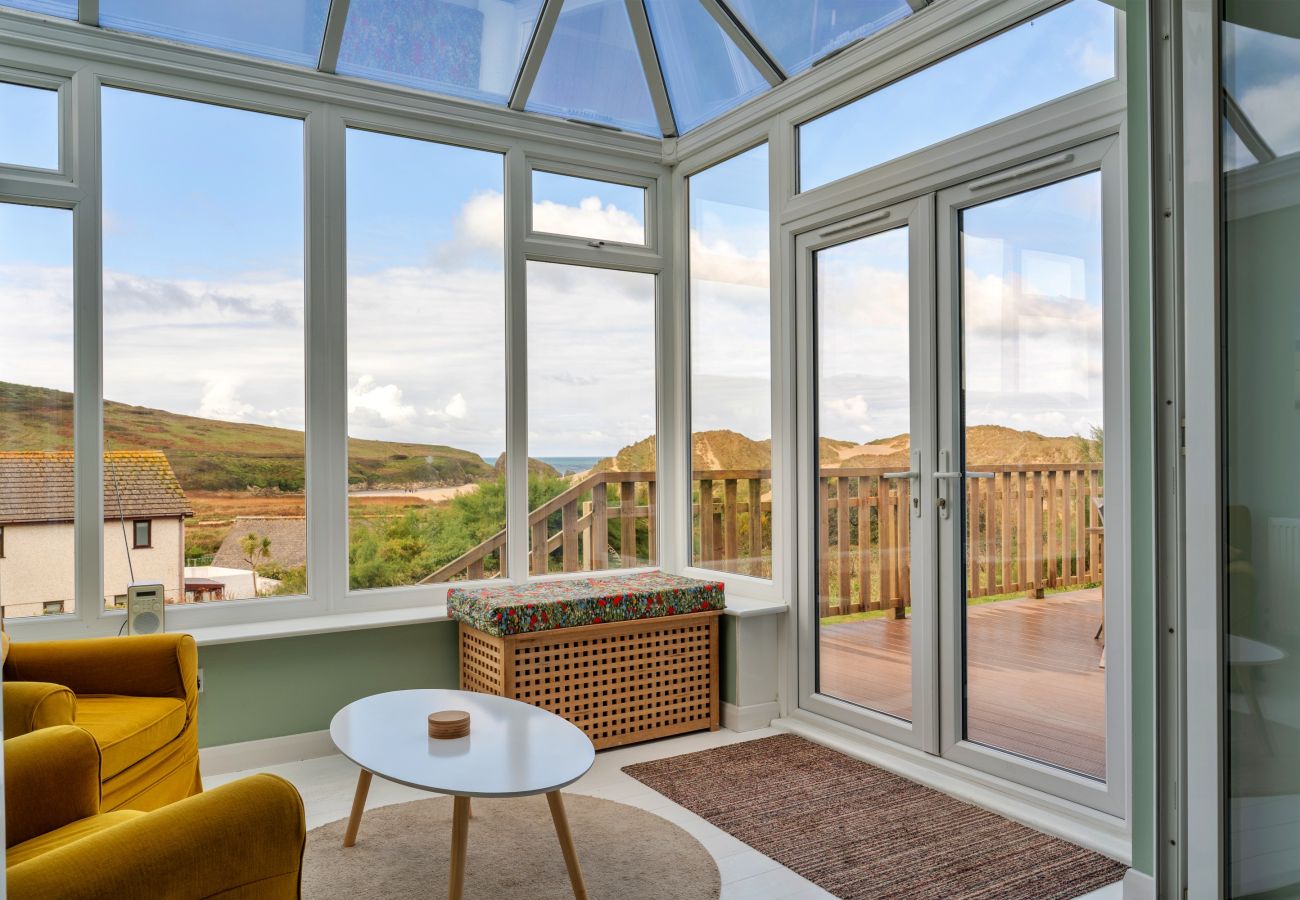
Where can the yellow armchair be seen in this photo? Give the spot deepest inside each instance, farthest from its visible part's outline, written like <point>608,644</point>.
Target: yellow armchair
<point>137,696</point>
<point>242,839</point>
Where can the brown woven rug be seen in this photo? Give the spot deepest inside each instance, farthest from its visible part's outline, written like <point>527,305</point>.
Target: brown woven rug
<point>861,832</point>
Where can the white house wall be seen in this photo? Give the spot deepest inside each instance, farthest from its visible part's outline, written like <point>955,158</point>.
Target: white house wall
<point>37,566</point>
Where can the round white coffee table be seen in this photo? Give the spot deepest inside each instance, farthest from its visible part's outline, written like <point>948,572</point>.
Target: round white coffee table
<point>512,750</point>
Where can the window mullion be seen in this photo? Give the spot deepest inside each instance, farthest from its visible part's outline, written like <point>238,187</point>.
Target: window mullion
<point>516,211</point>
<point>88,320</point>
<point>326,420</point>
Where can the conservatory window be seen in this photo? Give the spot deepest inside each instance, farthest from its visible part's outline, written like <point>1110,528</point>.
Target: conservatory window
<point>731,367</point>
<point>1061,51</point>
<point>203,337</point>
<point>29,126</point>
<point>36,371</point>
<point>591,419</point>
<point>426,362</point>
<point>587,208</point>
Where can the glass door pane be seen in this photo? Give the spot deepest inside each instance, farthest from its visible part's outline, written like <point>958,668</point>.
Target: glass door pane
<point>1032,492</point>
<point>863,518</point>
<point>1260,397</point>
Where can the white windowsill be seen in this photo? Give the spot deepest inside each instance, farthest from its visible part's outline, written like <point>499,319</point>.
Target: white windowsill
<point>210,635</point>
<point>745,607</point>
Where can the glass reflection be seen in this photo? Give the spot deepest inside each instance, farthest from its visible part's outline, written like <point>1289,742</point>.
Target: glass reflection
<point>1261,520</point>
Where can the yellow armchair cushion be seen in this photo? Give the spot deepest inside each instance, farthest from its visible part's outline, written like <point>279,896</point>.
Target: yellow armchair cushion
<point>128,729</point>
<point>51,780</point>
<point>244,839</point>
<point>32,705</point>
<point>68,834</point>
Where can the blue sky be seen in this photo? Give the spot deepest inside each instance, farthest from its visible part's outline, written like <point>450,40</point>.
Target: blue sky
<point>29,126</point>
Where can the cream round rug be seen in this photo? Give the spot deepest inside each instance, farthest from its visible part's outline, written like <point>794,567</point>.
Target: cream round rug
<point>403,851</point>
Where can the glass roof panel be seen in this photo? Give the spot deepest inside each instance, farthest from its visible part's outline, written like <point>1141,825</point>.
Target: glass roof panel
<point>800,32</point>
<point>66,9</point>
<point>290,31</point>
<point>591,70</point>
<point>705,72</point>
<point>469,48</point>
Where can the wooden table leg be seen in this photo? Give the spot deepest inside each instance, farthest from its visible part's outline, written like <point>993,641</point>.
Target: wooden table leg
<point>459,841</point>
<point>566,844</point>
<point>358,807</point>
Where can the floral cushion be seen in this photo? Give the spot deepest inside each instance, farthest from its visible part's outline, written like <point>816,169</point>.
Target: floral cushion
<point>543,605</point>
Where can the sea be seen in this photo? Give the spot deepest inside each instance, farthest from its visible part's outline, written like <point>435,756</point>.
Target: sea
<point>565,465</point>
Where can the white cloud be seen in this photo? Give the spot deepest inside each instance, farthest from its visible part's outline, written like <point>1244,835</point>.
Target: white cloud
<point>457,408</point>
<point>724,262</point>
<point>854,407</point>
<point>383,402</point>
<point>589,219</point>
<point>221,401</point>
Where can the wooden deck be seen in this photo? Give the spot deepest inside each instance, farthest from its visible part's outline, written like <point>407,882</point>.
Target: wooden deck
<point>1034,686</point>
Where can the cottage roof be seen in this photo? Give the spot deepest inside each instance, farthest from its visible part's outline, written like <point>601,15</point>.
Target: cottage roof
<point>36,487</point>
<point>288,536</point>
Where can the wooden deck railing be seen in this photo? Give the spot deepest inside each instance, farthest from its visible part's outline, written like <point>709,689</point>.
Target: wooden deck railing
<point>571,532</point>
<point>1029,527</point>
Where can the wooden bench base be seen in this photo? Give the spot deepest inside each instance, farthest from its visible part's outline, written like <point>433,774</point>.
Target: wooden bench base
<point>620,682</point>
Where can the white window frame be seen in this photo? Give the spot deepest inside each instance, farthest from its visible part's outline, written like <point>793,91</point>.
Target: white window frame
<point>83,60</point>
<point>60,83</point>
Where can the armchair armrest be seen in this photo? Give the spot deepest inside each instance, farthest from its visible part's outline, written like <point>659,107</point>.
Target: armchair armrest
<point>245,838</point>
<point>31,705</point>
<point>51,780</point>
<point>155,665</point>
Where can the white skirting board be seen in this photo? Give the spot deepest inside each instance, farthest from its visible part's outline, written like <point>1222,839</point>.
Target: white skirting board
<point>1138,886</point>
<point>274,751</point>
<point>749,718</point>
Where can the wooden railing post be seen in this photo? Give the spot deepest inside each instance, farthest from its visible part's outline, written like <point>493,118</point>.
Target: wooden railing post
<point>706,520</point>
<point>569,532</point>
<point>627,517</point>
<point>864,543</point>
<point>756,526</point>
<point>600,525</point>
<point>842,556</point>
<point>730,519</point>
<point>823,546</point>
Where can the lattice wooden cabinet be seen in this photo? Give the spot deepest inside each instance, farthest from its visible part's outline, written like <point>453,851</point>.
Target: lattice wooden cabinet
<point>620,682</point>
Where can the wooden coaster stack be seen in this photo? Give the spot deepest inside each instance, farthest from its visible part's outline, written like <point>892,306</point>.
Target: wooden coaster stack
<point>450,723</point>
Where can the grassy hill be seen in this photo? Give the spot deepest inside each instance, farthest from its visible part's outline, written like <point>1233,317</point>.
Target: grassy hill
<point>986,445</point>
<point>210,455</point>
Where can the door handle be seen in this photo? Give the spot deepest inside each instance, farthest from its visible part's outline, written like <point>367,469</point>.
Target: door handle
<point>963,474</point>
<point>913,473</point>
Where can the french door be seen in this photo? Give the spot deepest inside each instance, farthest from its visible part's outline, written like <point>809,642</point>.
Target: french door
<point>959,391</point>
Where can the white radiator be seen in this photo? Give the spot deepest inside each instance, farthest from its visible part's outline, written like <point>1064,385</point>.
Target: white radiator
<point>1280,604</point>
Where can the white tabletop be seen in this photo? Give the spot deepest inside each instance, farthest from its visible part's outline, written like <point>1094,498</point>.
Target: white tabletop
<point>1244,651</point>
<point>512,749</point>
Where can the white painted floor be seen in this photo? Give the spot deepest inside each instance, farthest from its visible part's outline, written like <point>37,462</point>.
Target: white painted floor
<point>327,785</point>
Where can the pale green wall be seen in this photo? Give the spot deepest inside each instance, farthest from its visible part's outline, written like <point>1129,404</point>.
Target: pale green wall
<point>263,689</point>
<point>1142,628</point>
<point>271,688</point>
